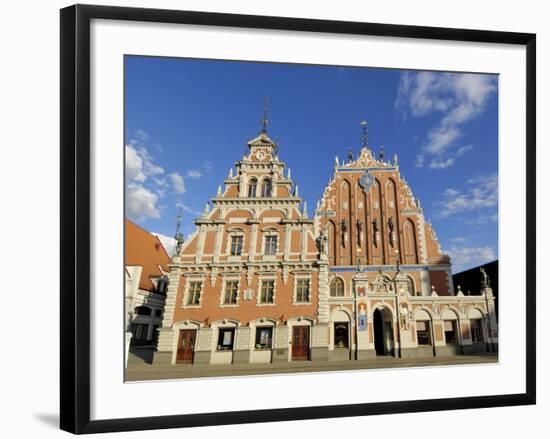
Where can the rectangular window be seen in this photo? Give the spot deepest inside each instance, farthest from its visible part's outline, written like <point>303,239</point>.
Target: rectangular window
<point>266,293</point>
<point>423,333</point>
<point>450,333</point>
<point>231,292</point>
<point>302,290</point>
<point>270,245</point>
<point>194,294</point>
<point>475,328</point>
<point>139,331</point>
<point>236,245</point>
<point>264,338</point>
<point>225,339</point>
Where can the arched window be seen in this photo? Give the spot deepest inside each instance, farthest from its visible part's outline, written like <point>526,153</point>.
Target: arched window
<point>252,184</point>
<point>337,287</point>
<point>266,188</point>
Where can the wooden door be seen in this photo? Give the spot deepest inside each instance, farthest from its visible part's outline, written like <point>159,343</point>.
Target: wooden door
<point>300,342</point>
<point>186,346</point>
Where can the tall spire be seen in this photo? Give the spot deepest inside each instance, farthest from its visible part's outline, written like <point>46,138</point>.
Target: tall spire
<point>265,119</point>
<point>364,135</point>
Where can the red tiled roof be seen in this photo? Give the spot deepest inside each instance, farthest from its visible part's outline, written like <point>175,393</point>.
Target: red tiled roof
<point>145,250</point>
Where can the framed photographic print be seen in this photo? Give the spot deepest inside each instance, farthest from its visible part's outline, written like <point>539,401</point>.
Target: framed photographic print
<point>273,218</point>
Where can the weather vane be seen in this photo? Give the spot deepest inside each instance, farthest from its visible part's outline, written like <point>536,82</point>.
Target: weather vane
<point>364,136</point>
<point>265,119</point>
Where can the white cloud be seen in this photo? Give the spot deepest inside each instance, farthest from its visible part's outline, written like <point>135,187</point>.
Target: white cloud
<point>467,257</point>
<point>194,173</point>
<point>141,135</point>
<point>462,97</point>
<point>188,209</point>
<point>144,186</point>
<point>438,163</point>
<point>141,203</point>
<point>177,182</point>
<point>482,194</point>
<point>134,165</point>
<point>168,243</point>
<point>459,239</point>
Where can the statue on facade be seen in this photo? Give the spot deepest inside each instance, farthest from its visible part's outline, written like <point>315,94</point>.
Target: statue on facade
<point>404,315</point>
<point>391,226</point>
<point>485,281</point>
<point>322,243</point>
<point>375,231</point>
<point>359,231</point>
<point>343,229</point>
<point>179,243</point>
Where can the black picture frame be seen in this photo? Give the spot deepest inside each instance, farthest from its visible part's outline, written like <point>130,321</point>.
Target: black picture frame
<point>75,217</point>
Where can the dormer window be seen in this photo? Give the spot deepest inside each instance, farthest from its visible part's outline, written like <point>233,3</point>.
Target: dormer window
<point>266,188</point>
<point>252,185</point>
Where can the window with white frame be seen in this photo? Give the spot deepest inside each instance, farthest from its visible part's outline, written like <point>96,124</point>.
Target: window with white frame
<point>302,290</point>
<point>270,246</point>
<point>236,248</point>
<point>194,293</point>
<point>267,291</point>
<point>230,292</point>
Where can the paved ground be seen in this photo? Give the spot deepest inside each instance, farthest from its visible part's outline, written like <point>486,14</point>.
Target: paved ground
<point>140,367</point>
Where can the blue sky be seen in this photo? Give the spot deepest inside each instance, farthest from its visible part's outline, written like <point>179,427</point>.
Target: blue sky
<point>187,122</point>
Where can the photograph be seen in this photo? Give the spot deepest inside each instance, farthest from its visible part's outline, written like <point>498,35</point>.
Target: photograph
<point>284,218</point>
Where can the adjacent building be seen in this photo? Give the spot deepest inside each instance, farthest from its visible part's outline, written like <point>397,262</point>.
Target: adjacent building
<point>259,281</point>
<point>146,279</point>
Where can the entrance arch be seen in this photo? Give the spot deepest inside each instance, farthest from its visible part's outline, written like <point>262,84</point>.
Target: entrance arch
<point>383,331</point>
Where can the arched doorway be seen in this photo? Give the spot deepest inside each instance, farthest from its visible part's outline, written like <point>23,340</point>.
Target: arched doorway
<point>383,332</point>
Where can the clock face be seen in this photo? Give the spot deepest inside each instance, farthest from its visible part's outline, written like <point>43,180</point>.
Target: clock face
<point>366,181</point>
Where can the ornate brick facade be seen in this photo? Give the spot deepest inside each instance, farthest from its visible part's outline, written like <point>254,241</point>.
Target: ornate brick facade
<point>259,281</point>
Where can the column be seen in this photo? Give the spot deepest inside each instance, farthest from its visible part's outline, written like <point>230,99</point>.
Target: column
<point>253,241</point>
